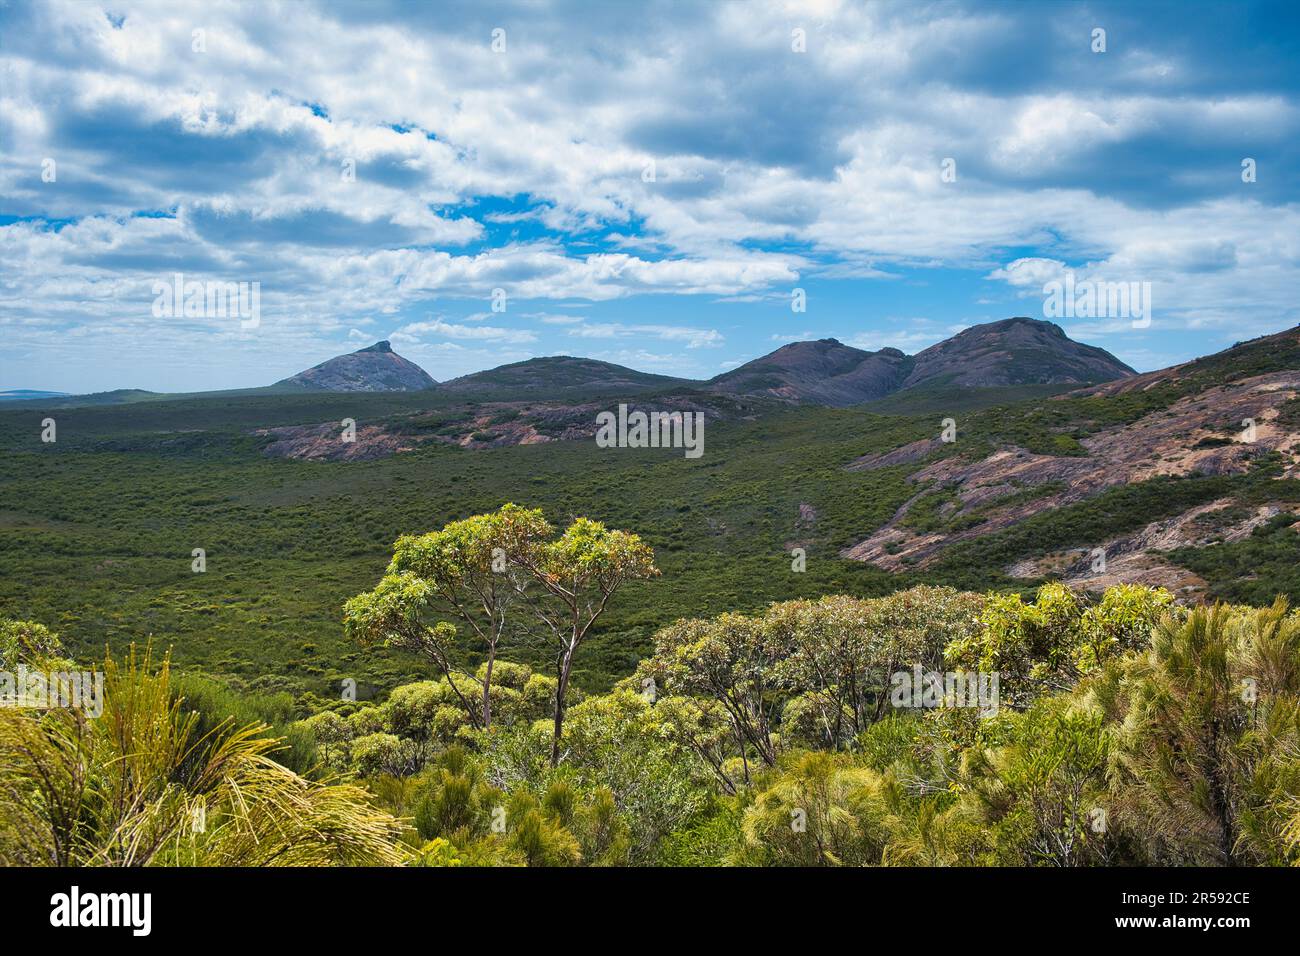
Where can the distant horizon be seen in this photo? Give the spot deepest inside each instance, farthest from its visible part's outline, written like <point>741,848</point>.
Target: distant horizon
<point>839,337</point>
<point>361,348</point>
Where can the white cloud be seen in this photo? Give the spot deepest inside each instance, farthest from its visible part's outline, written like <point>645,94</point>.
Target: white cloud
<point>691,337</point>
<point>771,168</point>
<point>419,331</point>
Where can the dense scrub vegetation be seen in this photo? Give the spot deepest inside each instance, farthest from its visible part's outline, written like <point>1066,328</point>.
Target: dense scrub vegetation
<point>1121,730</point>
<point>527,687</point>
<point>97,530</point>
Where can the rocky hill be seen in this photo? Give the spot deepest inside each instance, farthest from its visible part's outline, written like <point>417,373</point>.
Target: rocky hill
<point>1011,352</point>
<point>374,369</point>
<point>1017,351</point>
<point>1209,450</point>
<point>824,372</point>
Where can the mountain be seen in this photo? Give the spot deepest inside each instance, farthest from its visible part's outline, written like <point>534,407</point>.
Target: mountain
<point>1012,352</point>
<point>562,372</point>
<point>824,372</point>
<point>374,369</point>
<point>1017,351</point>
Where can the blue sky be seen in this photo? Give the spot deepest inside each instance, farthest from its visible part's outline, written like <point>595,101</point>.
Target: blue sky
<point>213,138</point>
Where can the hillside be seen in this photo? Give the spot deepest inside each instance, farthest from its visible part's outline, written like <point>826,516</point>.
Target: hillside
<point>561,373</point>
<point>1149,468</point>
<point>374,369</point>
<point>1202,455</point>
<point>1017,351</point>
<point>824,372</point>
<point>1012,352</point>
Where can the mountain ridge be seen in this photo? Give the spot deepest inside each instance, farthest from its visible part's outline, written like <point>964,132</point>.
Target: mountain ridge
<point>822,371</point>
<point>1014,351</point>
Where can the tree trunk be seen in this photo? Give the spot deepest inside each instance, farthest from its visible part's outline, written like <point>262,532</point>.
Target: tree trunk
<point>561,688</point>
<point>487,686</point>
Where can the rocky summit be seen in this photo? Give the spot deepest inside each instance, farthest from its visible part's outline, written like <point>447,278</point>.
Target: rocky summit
<point>1016,351</point>
<point>374,369</point>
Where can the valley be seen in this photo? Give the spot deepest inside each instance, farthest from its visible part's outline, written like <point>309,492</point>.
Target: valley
<point>96,530</point>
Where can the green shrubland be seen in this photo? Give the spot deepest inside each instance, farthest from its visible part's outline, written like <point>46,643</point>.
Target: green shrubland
<point>1124,730</point>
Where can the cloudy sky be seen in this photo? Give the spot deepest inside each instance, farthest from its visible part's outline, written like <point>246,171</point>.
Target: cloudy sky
<point>645,183</point>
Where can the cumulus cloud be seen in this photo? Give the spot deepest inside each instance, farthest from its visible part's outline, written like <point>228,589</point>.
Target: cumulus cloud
<point>369,159</point>
<point>691,337</point>
<point>421,331</point>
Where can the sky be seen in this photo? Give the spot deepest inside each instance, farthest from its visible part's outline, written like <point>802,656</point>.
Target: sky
<point>654,184</point>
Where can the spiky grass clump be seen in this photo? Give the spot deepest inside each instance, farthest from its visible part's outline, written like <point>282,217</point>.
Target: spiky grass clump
<point>140,785</point>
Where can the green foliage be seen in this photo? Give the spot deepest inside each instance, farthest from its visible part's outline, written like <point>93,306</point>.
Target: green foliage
<point>140,785</point>
<point>1120,622</point>
<point>733,660</point>
<point>462,819</point>
<point>457,803</point>
<point>438,852</point>
<point>482,570</point>
<point>378,753</point>
<point>1046,644</point>
<point>1041,798</point>
<point>711,838</point>
<point>1252,569</point>
<point>820,669</point>
<point>1136,734</point>
<point>819,810</point>
<point>214,704</point>
<point>616,744</point>
<point>27,642</point>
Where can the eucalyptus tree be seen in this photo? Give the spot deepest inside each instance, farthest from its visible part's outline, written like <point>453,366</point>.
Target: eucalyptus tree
<point>395,614</point>
<point>461,571</point>
<point>734,660</point>
<point>500,573</point>
<point>576,575</point>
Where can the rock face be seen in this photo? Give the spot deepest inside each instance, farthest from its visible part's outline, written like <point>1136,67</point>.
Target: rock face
<point>374,369</point>
<point>1015,351</point>
<point>824,372</point>
<point>477,425</point>
<point>1139,557</point>
<point>1198,434</point>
